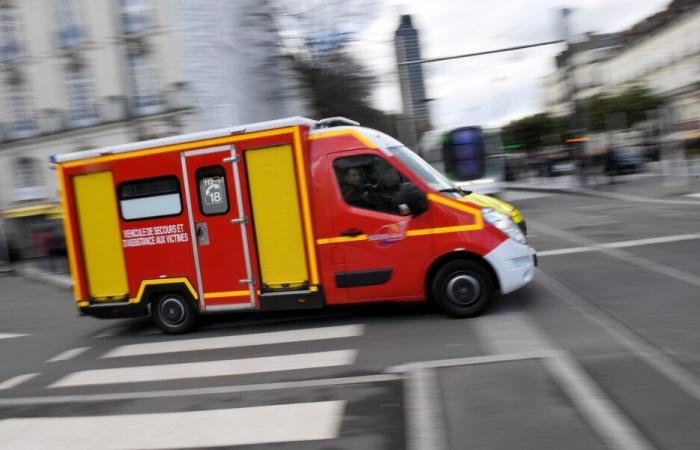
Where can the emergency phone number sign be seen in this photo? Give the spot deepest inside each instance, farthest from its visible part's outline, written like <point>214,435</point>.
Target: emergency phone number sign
<point>161,235</point>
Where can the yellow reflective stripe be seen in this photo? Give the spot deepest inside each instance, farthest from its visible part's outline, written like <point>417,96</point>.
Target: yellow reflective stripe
<point>443,230</point>
<point>226,294</point>
<point>305,209</point>
<point>82,304</point>
<point>335,133</point>
<point>70,240</point>
<point>454,205</point>
<point>144,283</point>
<point>179,147</point>
<point>341,239</point>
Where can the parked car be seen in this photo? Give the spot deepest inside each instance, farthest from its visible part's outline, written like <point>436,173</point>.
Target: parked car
<point>620,162</point>
<point>558,168</point>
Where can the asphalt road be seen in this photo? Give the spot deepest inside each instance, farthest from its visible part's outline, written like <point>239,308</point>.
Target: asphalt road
<point>602,350</point>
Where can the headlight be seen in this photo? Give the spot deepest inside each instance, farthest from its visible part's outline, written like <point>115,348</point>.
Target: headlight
<point>503,223</point>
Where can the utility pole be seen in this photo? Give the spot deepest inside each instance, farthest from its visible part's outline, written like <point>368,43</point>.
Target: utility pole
<point>576,122</point>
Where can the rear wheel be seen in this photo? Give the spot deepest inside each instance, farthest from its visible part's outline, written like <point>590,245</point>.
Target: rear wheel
<point>463,288</point>
<point>173,314</point>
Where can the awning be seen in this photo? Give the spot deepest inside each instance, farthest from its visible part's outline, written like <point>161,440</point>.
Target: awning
<point>51,210</point>
<point>684,135</point>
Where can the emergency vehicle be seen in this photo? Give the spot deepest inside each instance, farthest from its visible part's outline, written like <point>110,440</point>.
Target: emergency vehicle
<point>285,214</point>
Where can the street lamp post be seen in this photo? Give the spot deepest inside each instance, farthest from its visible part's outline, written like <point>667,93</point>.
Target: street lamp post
<point>576,122</point>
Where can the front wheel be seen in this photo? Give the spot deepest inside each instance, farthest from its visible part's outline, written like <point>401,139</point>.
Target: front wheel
<point>463,288</point>
<point>173,314</point>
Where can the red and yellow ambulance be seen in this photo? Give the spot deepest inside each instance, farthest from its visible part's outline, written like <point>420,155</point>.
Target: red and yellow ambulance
<point>286,214</point>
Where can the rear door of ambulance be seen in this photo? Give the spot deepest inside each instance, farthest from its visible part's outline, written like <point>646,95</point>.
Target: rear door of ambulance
<point>100,238</point>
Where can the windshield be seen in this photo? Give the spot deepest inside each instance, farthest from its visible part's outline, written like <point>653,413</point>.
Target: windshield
<point>422,169</point>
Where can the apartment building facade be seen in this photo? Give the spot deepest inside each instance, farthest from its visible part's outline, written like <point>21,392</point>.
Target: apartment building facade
<point>80,74</point>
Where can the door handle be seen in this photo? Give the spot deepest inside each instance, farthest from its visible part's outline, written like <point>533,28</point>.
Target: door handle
<point>352,232</point>
<point>202,233</point>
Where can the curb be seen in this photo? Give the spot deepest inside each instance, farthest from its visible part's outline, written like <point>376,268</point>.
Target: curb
<point>32,273</point>
<point>601,194</point>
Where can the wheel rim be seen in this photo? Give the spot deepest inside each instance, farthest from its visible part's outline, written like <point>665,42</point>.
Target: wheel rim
<point>172,311</point>
<point>463,289</point>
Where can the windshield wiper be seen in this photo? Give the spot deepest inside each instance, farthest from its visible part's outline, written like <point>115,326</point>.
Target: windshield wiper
<point>456,190</point>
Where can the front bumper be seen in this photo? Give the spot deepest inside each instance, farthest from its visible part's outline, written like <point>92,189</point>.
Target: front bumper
<point>514,264</point>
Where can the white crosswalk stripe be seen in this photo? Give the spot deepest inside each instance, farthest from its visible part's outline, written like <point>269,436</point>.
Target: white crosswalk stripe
<point>16,381</point>
<point>11,335</point>
<point>204,369</point>
<point>210,428</point>
<point>247,340</point>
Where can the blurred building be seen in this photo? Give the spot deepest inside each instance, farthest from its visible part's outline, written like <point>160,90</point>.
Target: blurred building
<point>79,74</point>
<point>579,71</point>
<point>661,53</point>
<point>412,83</point>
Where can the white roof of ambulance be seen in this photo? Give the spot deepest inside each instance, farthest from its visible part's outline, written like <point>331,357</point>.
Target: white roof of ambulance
<point>171,140</point>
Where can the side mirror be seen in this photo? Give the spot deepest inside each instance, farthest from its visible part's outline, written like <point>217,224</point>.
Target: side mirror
<point>411,200</point>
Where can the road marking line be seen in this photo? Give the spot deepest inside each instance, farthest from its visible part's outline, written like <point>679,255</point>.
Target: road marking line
<point>620,254</point>
<point>208,368</point>
<point>245,340</point>
<point>653,356</point>
<point>510,332</point>
<point>68,354</point>
<point>16,381</point>
<point>604,417</point>
<point>215,390</point>
<point>109,332</point>
<point>425,421</point>
<point>621,244</point>
<point>11,335</point>
<point>194,429</point>
<point>614,428</point>
<point>696,195</point>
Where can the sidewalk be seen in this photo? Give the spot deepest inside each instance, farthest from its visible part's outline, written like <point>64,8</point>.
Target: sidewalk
<point>643,187</point>
<point>34,271</point>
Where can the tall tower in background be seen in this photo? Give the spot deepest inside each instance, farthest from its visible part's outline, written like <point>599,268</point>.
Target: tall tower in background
<point>415,107</point>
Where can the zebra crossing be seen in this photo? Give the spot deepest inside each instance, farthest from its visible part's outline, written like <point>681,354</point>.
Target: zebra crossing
<point>231,426</point>
<point>211,391</point>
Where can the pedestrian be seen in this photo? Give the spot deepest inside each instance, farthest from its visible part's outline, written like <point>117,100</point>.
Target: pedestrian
<point>13,255</point>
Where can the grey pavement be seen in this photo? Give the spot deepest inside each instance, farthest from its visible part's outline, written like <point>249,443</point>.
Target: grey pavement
<point>600,351</point>
<point>646,186</point>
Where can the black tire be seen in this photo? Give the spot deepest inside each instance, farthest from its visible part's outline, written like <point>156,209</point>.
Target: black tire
<point>463,288</point>
<point>173,313</point>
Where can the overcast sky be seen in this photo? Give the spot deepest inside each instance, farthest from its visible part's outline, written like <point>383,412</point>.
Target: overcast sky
<point>487,89</point>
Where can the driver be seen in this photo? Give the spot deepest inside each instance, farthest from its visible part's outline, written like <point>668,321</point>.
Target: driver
<point>353,187</point>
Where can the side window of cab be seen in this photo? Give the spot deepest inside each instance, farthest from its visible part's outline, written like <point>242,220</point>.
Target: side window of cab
<point>368,182</point>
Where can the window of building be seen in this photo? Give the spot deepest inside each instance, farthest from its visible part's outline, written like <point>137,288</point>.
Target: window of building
<point>80,105</point>
<point>369,182</point>
<point>10,48</point>
<point>150,198</point>
<point>213,197</point>
<point>26,171</point>
<point>144,77</point>
<point>70,31</point>
<point>136,15</point>
<point>22,122</point>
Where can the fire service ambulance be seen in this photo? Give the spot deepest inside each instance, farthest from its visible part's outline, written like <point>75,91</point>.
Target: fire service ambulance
<point>286,214</point>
